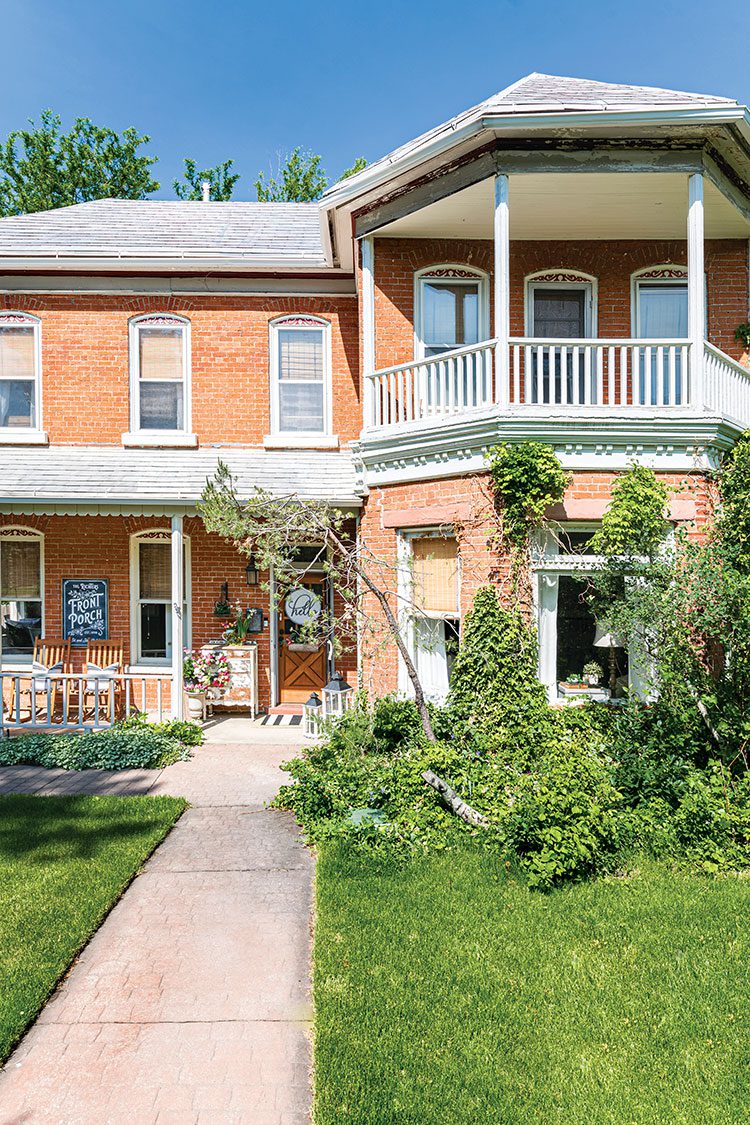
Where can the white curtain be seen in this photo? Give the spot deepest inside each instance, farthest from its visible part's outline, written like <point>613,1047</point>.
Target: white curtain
<point>5,386</point>
<point>431,658</point>
<point>547,633</point>
<point>663,312</point>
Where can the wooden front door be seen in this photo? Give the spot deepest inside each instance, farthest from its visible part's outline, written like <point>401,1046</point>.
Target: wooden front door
<point>302,667</point>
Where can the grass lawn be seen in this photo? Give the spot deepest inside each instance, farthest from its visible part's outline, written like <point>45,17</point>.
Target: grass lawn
<point>445,993</point>
<point>64,861</point>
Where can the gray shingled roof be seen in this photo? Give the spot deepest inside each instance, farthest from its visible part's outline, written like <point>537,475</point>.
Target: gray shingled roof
<point>136,478</point>
<point>287,234</point>
<point>547,93</point>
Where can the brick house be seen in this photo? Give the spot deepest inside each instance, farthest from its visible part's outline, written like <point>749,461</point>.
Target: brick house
<point>566,262</point>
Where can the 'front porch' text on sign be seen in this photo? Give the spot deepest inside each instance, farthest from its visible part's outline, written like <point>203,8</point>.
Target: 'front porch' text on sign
<point>85,610</point>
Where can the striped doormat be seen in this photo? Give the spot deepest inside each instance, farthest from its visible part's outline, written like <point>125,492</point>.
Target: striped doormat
<point>281,721</point>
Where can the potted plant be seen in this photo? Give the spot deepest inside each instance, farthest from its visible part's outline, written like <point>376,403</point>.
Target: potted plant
<point>742,336</point>
<point>592,673</point>
<point>205,675</point>
<point>237,632</point>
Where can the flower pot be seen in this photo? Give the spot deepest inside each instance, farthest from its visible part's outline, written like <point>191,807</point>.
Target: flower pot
<point>196,704</point>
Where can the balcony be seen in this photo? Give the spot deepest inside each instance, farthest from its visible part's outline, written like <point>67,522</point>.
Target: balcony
<point>570,379</point>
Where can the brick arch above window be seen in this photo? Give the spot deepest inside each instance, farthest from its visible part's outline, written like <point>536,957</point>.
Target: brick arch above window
<point>561,278</point>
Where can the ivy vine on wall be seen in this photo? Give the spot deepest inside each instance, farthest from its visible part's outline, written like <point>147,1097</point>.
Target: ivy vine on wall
<point>526,479</point>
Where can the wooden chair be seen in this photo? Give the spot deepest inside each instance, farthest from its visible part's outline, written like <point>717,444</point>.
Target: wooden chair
<point>103,654</point>
<point>48,651</point>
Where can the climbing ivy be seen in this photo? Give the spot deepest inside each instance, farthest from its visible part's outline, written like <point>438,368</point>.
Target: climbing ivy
<point>526,478</point>
<point>634,522</point>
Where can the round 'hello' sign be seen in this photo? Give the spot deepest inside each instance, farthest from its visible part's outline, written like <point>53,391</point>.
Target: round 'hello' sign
<point>302,605</point>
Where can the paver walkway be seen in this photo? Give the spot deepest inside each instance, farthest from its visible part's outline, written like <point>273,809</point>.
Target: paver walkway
<point>191,1003</point>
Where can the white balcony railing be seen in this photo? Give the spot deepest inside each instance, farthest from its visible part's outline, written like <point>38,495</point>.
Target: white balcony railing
<point>569,374</point>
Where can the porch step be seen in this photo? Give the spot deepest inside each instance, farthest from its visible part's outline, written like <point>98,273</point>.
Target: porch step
<point>287,709</point>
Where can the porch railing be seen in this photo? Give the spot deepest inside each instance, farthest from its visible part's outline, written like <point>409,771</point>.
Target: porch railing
<point>58,701</point>
<point>572,374</point>
<point>727,386</point>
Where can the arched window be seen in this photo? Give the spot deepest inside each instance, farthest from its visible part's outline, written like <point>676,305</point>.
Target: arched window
<point>20,372</point>
<point>660,303</point>
<point>160,374</point>
<point>561,304</point>
<point>300,367</point>
<point>151,597</point>
<point>21,591</point>
<point>451,309</point>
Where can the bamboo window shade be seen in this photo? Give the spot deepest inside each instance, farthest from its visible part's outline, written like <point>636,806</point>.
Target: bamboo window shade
<point>155,571</point>
<point>435,575</point>
<point>19,569</point>
<point>16,353</point>
<point>301,354</point>
<point>161,354</point>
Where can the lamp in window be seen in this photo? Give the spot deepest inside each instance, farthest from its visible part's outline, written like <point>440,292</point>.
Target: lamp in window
<point>251,571</point>
<point>605,638</point>
<point>338,697</point>
<point>313,715</point>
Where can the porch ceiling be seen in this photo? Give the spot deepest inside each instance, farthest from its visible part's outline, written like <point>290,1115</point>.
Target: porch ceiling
<point>573,206</point>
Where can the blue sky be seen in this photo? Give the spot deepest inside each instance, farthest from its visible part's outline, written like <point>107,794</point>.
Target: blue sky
<point>246,80</point>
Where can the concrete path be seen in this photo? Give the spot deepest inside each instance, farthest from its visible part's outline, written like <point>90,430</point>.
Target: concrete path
<point>191,1003</point>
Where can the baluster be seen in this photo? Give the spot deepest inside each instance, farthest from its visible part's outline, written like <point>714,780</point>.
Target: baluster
<point>660,376</point>
<point>516,374</point>
<point>623,376</point>
<point>672,364</point>
<point>611,375</point>
<point>686,375</point>
<point>587,375</point>
<point>409,394</point>
<point>564,375</point>
<point>599,375</point>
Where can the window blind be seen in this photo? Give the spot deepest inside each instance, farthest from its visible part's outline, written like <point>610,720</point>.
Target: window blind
<point>435,575</point>
<point>16,353</point>
<point>155,571</point>
<point>161,353</point>
<point>300,354</point>
<point>20,569</point>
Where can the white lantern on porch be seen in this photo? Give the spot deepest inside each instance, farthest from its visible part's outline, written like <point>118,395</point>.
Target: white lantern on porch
<point>313,711</point>
<point>338,697</point>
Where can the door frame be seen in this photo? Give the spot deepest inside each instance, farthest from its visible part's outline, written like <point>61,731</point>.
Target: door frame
<point>563,279</point>
<point>275,637</point>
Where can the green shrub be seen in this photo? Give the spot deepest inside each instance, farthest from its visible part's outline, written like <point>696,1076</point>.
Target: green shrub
<point>395,724</point>
<point>132,744</point>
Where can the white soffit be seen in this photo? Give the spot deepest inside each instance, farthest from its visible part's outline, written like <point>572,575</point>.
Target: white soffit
<point>580,205</point>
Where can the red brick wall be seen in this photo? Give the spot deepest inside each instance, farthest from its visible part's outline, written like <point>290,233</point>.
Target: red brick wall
<point>610,262</point>
<point>85,362</point>
<point>481,561</point>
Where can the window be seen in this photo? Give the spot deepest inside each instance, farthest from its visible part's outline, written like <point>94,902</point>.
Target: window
<point>19,371</point>
<point>452,309</point>
<point>300,352</point>
<point>151,596</point>
<point>160,375</point>
<point>560,305</point>
<point>660,312</point>
<point>435,610</point>
<point>21,599</point>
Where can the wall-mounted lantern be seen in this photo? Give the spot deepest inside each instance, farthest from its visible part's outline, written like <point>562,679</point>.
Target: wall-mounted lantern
<point>251,571</point>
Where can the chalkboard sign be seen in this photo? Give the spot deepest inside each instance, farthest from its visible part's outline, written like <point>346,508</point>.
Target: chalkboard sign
<point>85,610</point>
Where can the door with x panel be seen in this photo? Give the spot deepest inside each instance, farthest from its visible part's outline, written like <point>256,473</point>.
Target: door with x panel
<point>302,640</point>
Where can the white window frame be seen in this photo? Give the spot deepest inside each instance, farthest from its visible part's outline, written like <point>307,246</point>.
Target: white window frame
<point>158,320</point>
<point>18,319</point>
<point>567,280</point>
<point>301,323</point>
<point>405,586</point>
<point>666,274</point>
<point>14,533</point>
<point>450,273</point>
<point>547,565</point>
<point>155,535</point>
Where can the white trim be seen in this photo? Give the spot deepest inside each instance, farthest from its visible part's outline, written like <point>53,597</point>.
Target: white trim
<point>26,534</point>
<point>158,535</point>
<point>501,294</point>
<point>33,435</point>
<point>696,288</point>
<point>160,439</point>
<point>368,321</point>
<point>405,594</point>
<point>289,322</point>
<point>475,277</point>
<point>300,441</point>
<point>134,325</point>
<point>580,281</point>
<point>179,602</point>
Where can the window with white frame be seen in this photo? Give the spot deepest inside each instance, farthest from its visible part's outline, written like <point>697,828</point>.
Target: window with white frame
<point>451,307</point>
<point>21,592</point>
<point>300,365</point>
<point>160,373</point>
<point>434,600</point>
<point>151,597</point>
<point>20,405</point>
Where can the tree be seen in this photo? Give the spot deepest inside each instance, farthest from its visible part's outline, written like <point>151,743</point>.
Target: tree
<point>359,164</point>
<point>221,181</point>
<point>42,168</point>
<point>299,178</point>
<point>272,528</point>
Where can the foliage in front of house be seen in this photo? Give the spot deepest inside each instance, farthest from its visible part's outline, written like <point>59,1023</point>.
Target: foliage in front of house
<point>132,744</point>
<point>569,793</point>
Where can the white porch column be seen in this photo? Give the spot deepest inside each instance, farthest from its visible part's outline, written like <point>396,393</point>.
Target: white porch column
<point>368,326</point>
<point>696,288</point>
<point>501,300</point>
<point>178,599</point>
